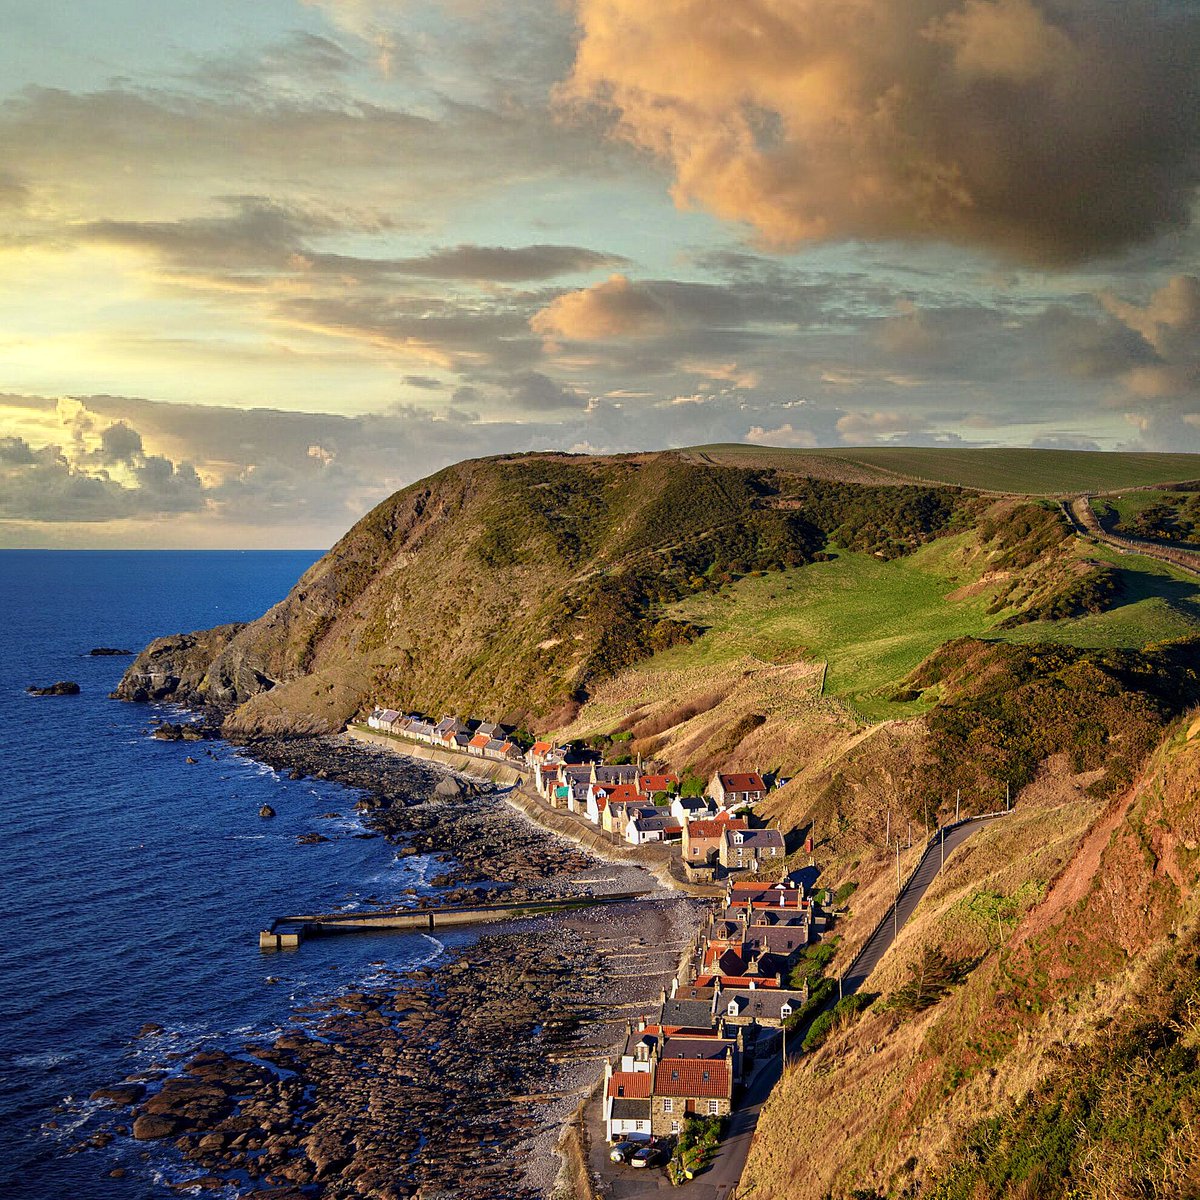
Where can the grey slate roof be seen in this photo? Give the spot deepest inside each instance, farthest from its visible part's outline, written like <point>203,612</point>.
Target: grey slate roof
<point>691,1014</point>
<point>624,1109</point>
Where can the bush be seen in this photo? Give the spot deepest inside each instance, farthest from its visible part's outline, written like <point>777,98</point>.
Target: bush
<point>842,1012</point>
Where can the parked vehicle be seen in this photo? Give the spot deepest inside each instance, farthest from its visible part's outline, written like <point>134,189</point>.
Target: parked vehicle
<point>645,1156</point>
<point>623,1151</point>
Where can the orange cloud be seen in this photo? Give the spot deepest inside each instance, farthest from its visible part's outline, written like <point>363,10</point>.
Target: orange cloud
<point>614,308</point>
<point>1048,132</point>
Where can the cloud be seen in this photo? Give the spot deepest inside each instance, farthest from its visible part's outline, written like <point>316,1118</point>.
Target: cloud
<point>1065,442</point>
<point>865,428</point>
<point>1051,132</point>
<point>43,484</point>
<point>1169,325</point>
<point>783,435</point>
<point>615,308</point>
<point>535,392</point>
<point>502,264</point>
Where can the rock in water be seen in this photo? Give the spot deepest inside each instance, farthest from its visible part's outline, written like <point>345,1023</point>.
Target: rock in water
<point>64,687</point>
<point>109,652</point>
<point>266,811</point>
<point>191,762</point>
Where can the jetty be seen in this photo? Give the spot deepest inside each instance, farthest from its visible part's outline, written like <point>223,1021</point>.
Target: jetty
<point>286,933</point>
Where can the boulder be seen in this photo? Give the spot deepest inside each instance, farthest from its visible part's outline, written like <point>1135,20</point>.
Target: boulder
<point>109,652</point>
<point>449,789</point>
<point>152,1126</point>
<point>266,811</point>
<point>122,1094</point>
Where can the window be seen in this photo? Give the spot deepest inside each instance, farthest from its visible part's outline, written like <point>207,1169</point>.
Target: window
<point>785,1010</point>
<point>639,1126</point>
<point>714,1107</point>
<point>732,1009</point>
<point>674,1126</point>
<point>668,1105</point>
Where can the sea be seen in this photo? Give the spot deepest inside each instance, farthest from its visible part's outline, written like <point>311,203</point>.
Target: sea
<point>132,883</point>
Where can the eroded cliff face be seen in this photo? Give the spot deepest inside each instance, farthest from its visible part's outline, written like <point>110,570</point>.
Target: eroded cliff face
<point>176,668</point>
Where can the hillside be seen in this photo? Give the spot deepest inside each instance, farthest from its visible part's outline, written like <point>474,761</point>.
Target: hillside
<point>509,587</point>
<point>1058,1055</point>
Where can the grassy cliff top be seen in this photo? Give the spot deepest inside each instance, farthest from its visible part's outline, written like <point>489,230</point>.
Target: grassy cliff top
<point>1021,471</point>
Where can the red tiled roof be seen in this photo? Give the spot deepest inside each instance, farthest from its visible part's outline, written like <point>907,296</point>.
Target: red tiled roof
<point>691,1077</point>
<point>541,748</point>
<point>630,1085</point>
<point>738,981</point>
<point>624,793</point>
<point>479,740</point>
<point>658,783</point>
<point>715,827</point>
<point>751,782</point>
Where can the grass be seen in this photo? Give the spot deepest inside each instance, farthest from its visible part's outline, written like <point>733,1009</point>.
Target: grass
<point>1158,603</point>
<point>1024,471</point>
<point>872,621</point>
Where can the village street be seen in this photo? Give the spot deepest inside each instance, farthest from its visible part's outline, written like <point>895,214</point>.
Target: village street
<point>720,1181</point>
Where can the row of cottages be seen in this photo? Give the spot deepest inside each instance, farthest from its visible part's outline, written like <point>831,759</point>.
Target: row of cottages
<point>688,1058</point>
<point>481,739</point>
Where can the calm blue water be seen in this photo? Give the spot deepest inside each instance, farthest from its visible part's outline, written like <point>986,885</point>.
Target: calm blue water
<point>132,885</point>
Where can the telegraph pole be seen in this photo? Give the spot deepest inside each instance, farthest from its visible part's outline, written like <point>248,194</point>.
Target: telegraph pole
<point>887,837</point>
<point>942,831</point>
<point>957,804</point>
<point>1007,797</point>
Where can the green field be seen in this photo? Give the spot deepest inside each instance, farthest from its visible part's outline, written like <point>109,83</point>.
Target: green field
<point>873,622</point>
<point>1158,603</point>
<point>1022,471</point>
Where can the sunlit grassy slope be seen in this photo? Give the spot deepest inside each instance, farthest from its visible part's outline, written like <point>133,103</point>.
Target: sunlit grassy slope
<point>873,622</point>
<point>1023,471</point>
<point>1157,603</point>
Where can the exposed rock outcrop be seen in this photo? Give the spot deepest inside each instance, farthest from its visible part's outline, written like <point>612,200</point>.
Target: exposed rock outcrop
<point>64,687</point>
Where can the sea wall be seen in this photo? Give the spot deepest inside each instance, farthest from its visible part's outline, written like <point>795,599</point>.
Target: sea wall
<point>466,764</point>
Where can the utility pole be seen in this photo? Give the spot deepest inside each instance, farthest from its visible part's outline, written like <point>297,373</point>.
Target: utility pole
<point>957,804</point>
<point>1007,797</point>
<point>943,844</point>
<point>910,835</point>
<point>927,819</point>
<point>887,837</point>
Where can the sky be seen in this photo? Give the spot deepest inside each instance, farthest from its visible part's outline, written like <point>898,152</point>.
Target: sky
<point>263,264</point>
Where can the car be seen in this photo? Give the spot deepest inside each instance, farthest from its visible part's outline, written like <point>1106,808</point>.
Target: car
<point>622,1151</point>
<point>646,1156</point>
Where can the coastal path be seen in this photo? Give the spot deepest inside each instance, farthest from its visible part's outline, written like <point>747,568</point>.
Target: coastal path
<point>1083,517</point>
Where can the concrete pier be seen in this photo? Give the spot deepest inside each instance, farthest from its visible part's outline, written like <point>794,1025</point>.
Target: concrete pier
<point>286,933</point>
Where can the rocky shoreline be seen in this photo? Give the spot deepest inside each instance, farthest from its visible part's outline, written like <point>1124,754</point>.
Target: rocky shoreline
<point>446,1081</point>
